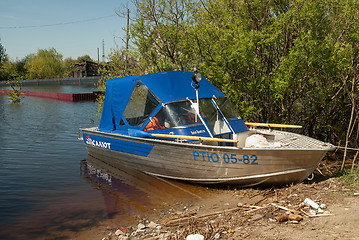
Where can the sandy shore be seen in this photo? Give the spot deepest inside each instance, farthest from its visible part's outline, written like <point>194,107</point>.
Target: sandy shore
<point>246,214</point>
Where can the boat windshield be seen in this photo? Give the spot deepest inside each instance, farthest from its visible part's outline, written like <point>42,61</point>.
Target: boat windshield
<point>177,114</point>
<point>227,108</point>
<point>182,113</point>
<point>140,106</point>
<point>213,117</point>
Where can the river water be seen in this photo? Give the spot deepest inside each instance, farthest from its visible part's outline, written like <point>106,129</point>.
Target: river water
<point>50,188</point>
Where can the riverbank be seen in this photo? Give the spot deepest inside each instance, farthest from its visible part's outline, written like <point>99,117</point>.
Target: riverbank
<point>250,214</point>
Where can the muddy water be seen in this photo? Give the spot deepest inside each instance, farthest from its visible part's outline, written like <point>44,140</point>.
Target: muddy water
<point>51,189</point>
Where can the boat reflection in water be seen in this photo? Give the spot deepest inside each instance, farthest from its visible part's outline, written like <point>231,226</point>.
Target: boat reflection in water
<point>129,193</point>
<point>113,198</point>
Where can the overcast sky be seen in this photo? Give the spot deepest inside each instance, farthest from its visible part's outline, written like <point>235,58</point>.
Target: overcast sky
<point>73,27</point>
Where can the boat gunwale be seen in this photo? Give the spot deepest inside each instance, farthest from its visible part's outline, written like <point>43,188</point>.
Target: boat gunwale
<point>196,144</point>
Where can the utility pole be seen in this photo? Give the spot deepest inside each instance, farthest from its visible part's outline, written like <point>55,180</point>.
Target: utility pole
<point>122,15</point>
<point>127,28</point>
<point>103,50</point>
<point>125,53</point>
<point>98,55</point>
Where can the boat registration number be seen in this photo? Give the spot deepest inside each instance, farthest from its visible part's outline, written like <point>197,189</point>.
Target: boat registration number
<point>227,158</point>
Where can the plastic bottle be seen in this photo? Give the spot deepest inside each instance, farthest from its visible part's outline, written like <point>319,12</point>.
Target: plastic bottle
<point>313,204</point>
<point>195,237</point>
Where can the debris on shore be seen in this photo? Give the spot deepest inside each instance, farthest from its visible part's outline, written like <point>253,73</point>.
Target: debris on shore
<point>233,214</point>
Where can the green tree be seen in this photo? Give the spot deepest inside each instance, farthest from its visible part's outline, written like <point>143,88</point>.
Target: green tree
<point>319,62</point>
<point>84,58</point>
<point>3,58</point>
<point>289,61</point>
<point>162,36</point>
<point>13,72</point>
<point>47,63</point>
<point>2,54</point>
<point>68,65</point>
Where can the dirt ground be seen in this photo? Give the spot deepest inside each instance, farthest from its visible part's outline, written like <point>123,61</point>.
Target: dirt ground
<point>251,213</point>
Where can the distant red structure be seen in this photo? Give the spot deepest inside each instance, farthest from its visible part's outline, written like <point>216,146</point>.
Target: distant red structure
<point>72,97</point>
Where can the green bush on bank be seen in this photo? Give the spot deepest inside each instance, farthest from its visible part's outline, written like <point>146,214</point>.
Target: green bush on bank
<point>351,178</point>
<point>291,61</point>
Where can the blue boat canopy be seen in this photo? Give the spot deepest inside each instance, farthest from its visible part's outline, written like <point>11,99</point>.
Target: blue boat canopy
<point>135,101</point>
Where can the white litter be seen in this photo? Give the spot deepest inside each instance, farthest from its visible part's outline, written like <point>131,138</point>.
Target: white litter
<point>195,237</point>
<point>259,141</point>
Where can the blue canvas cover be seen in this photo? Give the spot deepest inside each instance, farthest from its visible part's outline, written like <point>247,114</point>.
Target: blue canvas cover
<point>167,86</point>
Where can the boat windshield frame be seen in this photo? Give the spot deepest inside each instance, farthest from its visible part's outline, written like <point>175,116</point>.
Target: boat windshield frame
<point>216,119</point>
<point>213,116</point>
<point>213,113</point>
<point>178,114</point>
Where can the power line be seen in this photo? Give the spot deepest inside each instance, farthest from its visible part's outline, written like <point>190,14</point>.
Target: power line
<point>59,24</point>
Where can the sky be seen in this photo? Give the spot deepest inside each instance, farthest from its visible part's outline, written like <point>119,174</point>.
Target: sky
<point>73,27</point>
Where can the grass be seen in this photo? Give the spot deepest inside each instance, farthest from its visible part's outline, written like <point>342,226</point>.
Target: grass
<point>351,178</point>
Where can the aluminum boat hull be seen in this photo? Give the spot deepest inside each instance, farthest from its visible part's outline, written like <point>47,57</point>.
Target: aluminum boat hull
<point>208,164</point>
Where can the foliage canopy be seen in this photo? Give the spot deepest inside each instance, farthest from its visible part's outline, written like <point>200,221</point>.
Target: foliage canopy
<point>47,63</point>
<point>288,61</point>
<point>2,54</point>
